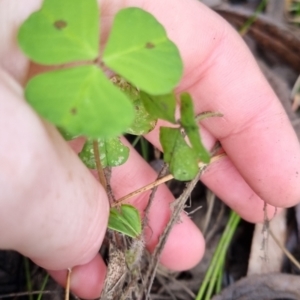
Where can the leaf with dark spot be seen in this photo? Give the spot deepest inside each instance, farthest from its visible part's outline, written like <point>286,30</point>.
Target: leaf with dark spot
<point>60,24</point>
<point>73,111</point>
<point>81,100</point>
<point>133,34</point>
<point>149,45</point>
<point>61,32</point>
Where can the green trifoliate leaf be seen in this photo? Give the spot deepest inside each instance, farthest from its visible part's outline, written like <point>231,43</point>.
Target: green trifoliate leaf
<point>139,50</point>
<point>143,122</point>
<point>182,160</point>
<point>112,153</point>
<point>191,128</point>
<point>82,101</point>
<point>125,219</point>
<point>61,32</point>
<point>161,107</point>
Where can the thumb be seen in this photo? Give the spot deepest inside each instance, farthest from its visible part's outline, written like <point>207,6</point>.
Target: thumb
<point>51,208</point>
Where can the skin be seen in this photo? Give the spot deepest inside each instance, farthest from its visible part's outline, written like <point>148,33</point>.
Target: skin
<point>54,211</point>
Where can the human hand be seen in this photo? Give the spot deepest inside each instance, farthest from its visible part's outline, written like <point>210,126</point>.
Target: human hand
<point>54,211</point>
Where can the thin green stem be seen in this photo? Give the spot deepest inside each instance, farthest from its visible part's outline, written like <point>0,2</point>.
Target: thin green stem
<point>245,27</point>
<point>28,278</point>
<point>136,140</point>
<point>220,278</point>
<point>145,148</point>
<point>226,239</point>
<point>40,295</point>
<point>218,259</point>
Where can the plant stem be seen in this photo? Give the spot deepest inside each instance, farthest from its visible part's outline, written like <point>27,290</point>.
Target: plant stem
<point>161,174</point>
<point>136,140</point>
<point>145,148</point>
<point>28,279</point>
<point>207,114</point>
<point>100,171</point>
<point>160,181</point>
<point>244,29</point>
<point>286,252</point>
<point>144,189</point>
<point>178,206</point>
<point>218,258</point>
<point>67,295</point>
<point>21,294</point>
<point>220,277</point>
<point>40,295</point>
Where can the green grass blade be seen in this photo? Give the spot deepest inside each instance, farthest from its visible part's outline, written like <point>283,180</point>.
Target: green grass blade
<point>28,278</point>
<point>220,277</point>
<point>40,295</point>
<point>245,27</point>
<point>145,148</point>
<point>136,140</point>
<point>211,276</point>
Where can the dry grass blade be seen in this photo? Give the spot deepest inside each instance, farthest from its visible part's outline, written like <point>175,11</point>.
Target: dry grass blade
<point>162,174</point>
<point>210,199</point>
<point>178,207</point>
<point>116,272</point>
<point>144,189</point>
<point>286,252</point>
<point>209,235</point>
<point>275,255</point>
<point>15,295</point>
<point>161,181</point>
<point>67,294</point>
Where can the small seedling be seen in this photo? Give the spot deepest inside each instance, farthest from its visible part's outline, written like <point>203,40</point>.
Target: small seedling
<point>79,99</point>
<point>125,220</point>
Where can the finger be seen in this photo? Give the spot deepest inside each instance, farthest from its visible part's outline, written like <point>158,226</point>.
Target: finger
<point>12,14</point>
<point>228,184</point>
<point>52,208</point>
<point>222,75</point>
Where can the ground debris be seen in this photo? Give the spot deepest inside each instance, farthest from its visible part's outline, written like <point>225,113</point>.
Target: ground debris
<point>267,287</point>
<point>115,274</point>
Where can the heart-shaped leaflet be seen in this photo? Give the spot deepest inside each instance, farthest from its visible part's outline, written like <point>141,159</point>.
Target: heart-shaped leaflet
<point>139,50</point>
<point>61,32</point>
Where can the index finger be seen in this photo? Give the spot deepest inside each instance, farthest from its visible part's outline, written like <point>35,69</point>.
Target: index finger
<point>222,75</point>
